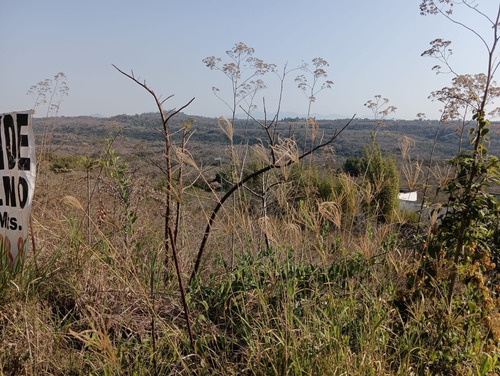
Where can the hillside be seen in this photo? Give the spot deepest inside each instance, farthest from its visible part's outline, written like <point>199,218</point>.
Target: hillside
<point>140,134</point>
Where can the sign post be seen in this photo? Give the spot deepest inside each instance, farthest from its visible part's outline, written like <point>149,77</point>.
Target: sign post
<point>17,182</point>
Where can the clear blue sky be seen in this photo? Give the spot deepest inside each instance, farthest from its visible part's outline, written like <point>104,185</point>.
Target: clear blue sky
<point>373,47</point>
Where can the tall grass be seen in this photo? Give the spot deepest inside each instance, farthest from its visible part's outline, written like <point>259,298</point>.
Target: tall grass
<point>325,296</point>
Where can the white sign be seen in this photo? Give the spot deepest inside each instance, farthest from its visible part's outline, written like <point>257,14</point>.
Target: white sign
<point>17,182</point>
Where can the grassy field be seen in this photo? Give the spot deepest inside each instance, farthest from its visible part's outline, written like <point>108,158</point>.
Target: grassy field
<point>301,274</point>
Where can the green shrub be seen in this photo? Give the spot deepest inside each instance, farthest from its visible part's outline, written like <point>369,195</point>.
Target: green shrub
<point>382,175</point>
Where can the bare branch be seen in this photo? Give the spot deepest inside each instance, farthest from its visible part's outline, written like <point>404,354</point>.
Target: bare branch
<point>240,183</point>
<point>159,103</point>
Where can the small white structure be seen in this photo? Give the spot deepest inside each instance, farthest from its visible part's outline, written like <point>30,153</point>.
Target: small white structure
<point>405,195</point>
<point>408,200</point>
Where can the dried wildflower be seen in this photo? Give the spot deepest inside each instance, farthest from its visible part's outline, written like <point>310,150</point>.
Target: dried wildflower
<point>242,69</point>
<point>311,86</point>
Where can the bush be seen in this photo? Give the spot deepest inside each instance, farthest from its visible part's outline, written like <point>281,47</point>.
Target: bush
<point>382,175</point>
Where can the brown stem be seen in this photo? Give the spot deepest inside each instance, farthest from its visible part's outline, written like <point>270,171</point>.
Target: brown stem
<point>181,287</point>
<point>33,244</point>
<point>180,188</point>
<point>165,117</point>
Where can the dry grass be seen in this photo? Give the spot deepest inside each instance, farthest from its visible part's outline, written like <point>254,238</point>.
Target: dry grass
<point>328,297</point>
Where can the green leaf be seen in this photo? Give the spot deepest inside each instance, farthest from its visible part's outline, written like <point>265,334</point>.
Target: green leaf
<point>486,365</point>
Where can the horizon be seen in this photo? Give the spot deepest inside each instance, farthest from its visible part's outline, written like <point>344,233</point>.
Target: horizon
<point>281,117</point>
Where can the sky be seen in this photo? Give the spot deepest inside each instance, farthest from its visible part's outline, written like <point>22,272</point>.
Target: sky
<point>372,47</point>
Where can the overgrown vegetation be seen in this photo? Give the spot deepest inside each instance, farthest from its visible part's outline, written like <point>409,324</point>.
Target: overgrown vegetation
<point>271,260</point>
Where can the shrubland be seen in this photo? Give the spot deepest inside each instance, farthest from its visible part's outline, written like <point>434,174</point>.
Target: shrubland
<point>267,260</point>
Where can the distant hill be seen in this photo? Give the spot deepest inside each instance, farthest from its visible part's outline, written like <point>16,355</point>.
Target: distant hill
<point>141,134</point>
<point>292,115</point>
